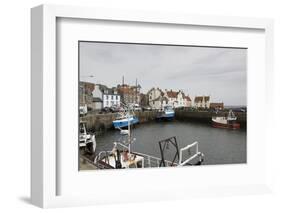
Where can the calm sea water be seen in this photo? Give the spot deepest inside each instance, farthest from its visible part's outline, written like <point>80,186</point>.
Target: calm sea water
<point>220,146</point>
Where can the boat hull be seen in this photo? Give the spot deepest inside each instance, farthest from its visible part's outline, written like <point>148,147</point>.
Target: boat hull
<point>166,116</point>
<point>124,122</point>
<point>233,125</point>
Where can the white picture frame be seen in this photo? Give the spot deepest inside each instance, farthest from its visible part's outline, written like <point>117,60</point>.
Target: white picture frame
<point>44,150</point>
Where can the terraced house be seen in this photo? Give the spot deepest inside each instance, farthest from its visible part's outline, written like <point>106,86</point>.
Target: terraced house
<point>177,98</point>
<point>158,99</point>
<point>108,96</point>
<point>202,102</point>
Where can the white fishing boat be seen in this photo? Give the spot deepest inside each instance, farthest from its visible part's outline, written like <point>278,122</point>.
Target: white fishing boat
<point>87,142</point>
<point>123,157</point>
<point>226,122</point>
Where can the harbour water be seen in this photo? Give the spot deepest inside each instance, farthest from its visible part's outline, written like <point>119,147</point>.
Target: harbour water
<point>220,146</point>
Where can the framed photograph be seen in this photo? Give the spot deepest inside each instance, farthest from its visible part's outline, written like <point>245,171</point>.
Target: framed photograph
<point>131,106</point>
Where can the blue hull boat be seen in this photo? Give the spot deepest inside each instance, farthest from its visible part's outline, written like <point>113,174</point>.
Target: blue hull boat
<point>120,123</point>
<point>167,114</point>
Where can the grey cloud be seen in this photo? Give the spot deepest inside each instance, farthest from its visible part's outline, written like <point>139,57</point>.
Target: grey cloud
<point>219,72</point>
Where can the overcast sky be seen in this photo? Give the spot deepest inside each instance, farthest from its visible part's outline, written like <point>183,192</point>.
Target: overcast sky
<point>218,72</point>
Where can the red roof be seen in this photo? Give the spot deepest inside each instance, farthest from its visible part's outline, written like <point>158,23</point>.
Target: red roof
<point>172,94</point>
<point>126,90</point>
<point>200,98</point>
<point>216,105</point>
<point>88,87</point>
<point>187,98</point>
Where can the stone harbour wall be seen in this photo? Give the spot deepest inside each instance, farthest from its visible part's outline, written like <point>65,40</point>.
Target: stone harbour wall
<point>103,122</point>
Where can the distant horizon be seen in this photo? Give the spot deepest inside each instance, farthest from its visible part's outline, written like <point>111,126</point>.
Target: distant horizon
<point>198,71</point>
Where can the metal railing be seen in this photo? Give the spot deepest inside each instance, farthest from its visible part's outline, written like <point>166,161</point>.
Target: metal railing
<point>197,154</point>
<point>149,160</point>
<point>152,161</point>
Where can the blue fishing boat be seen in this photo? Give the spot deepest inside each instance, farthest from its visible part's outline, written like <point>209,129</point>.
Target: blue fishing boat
<point>167,113</point>
<point>124,121</point>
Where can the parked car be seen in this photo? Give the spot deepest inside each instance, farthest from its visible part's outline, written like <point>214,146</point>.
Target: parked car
<point>115,108</point>
<point>105,110</point>
<point>137,108</point>
<point>146,108</point>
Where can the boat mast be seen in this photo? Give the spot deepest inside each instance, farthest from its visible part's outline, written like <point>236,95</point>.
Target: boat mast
<point>129,130</point>
<point>136,93</point>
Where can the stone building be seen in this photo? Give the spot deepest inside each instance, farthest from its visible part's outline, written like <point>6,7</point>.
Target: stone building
<point>217,106</point>
<point>144,101</point>
<point>202,102</point>
<point>129,94</point>
<point>86,98</point>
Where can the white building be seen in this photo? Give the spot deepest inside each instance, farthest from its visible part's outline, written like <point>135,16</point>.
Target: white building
<point>109,96</point>
<point>187,101</point>
<point>156,98</point>
<point>86,96</point>
<point>177,99</point>
<point>111,99</point>
<point>97,103</point>
<point>172,98</point>
<point>97,97</point>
